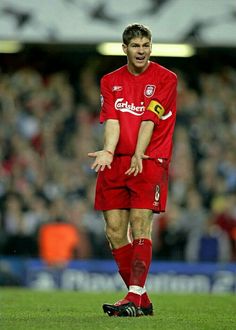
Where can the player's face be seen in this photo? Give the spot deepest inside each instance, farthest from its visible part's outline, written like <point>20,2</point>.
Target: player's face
<point>138,53</point>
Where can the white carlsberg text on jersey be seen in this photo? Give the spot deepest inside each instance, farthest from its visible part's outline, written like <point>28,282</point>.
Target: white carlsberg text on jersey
<point>131,108</point>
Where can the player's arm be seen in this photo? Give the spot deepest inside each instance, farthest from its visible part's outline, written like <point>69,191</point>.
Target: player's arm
<point>164,101</point>
<point>104,157</point>
<point>111,135</point>
<point>144,138</point>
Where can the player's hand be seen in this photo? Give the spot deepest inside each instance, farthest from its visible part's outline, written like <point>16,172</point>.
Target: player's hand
<point>136,165</point>
<point>102,159</point>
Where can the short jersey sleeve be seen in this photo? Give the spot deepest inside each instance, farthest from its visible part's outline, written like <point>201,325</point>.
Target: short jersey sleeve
<point>163,101</point>
<point>107,101</point>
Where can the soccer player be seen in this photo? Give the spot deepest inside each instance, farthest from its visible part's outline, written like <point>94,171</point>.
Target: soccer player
<point>139,112</point>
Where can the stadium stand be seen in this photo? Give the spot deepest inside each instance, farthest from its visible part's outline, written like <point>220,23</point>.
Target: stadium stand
<point>49,121</point>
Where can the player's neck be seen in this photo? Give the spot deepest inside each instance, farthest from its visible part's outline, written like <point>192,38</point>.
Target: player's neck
<point>136,70</point>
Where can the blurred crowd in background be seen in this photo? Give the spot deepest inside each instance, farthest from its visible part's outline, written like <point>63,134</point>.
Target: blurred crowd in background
<point>49,124</point>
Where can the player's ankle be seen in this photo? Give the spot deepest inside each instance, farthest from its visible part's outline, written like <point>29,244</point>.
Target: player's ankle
<point>145,301</point>
<point>134,298</point>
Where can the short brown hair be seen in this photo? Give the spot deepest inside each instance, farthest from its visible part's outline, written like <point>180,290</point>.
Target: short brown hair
<point>134,31</point>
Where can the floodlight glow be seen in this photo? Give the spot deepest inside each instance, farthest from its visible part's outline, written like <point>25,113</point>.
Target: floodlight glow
<point>10,46</point>
<point>172,50</point>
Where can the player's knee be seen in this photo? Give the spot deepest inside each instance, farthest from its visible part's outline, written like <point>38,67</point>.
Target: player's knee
<point>140,227</point>
<point>115,236</point>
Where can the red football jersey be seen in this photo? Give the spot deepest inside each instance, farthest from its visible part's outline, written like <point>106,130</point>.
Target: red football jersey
<point>132,99</point>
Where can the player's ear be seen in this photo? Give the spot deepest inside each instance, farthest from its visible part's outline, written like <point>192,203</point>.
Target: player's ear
<point>124,46</point>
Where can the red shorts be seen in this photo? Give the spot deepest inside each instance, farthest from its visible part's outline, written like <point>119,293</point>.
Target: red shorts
<point>147,190</point>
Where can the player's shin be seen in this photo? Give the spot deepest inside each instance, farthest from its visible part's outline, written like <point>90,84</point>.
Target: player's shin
<point>140,263</point>
<point>123,258</point>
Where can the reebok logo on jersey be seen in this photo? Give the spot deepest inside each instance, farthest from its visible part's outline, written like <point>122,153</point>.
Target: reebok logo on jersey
<point>117,88</point>
<point>131,108</point>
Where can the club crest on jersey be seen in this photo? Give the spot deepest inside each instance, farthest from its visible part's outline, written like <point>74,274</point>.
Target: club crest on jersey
<point>149,90</point>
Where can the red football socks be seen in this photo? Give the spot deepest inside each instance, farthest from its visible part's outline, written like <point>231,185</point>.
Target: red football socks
<point>133,263</point>
<point>141,260</point>
<point>145,301</point>
<point>140,263</point>
<point>123,257</point>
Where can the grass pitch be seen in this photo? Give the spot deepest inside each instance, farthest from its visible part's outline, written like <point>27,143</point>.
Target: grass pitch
<point>28,310</point>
